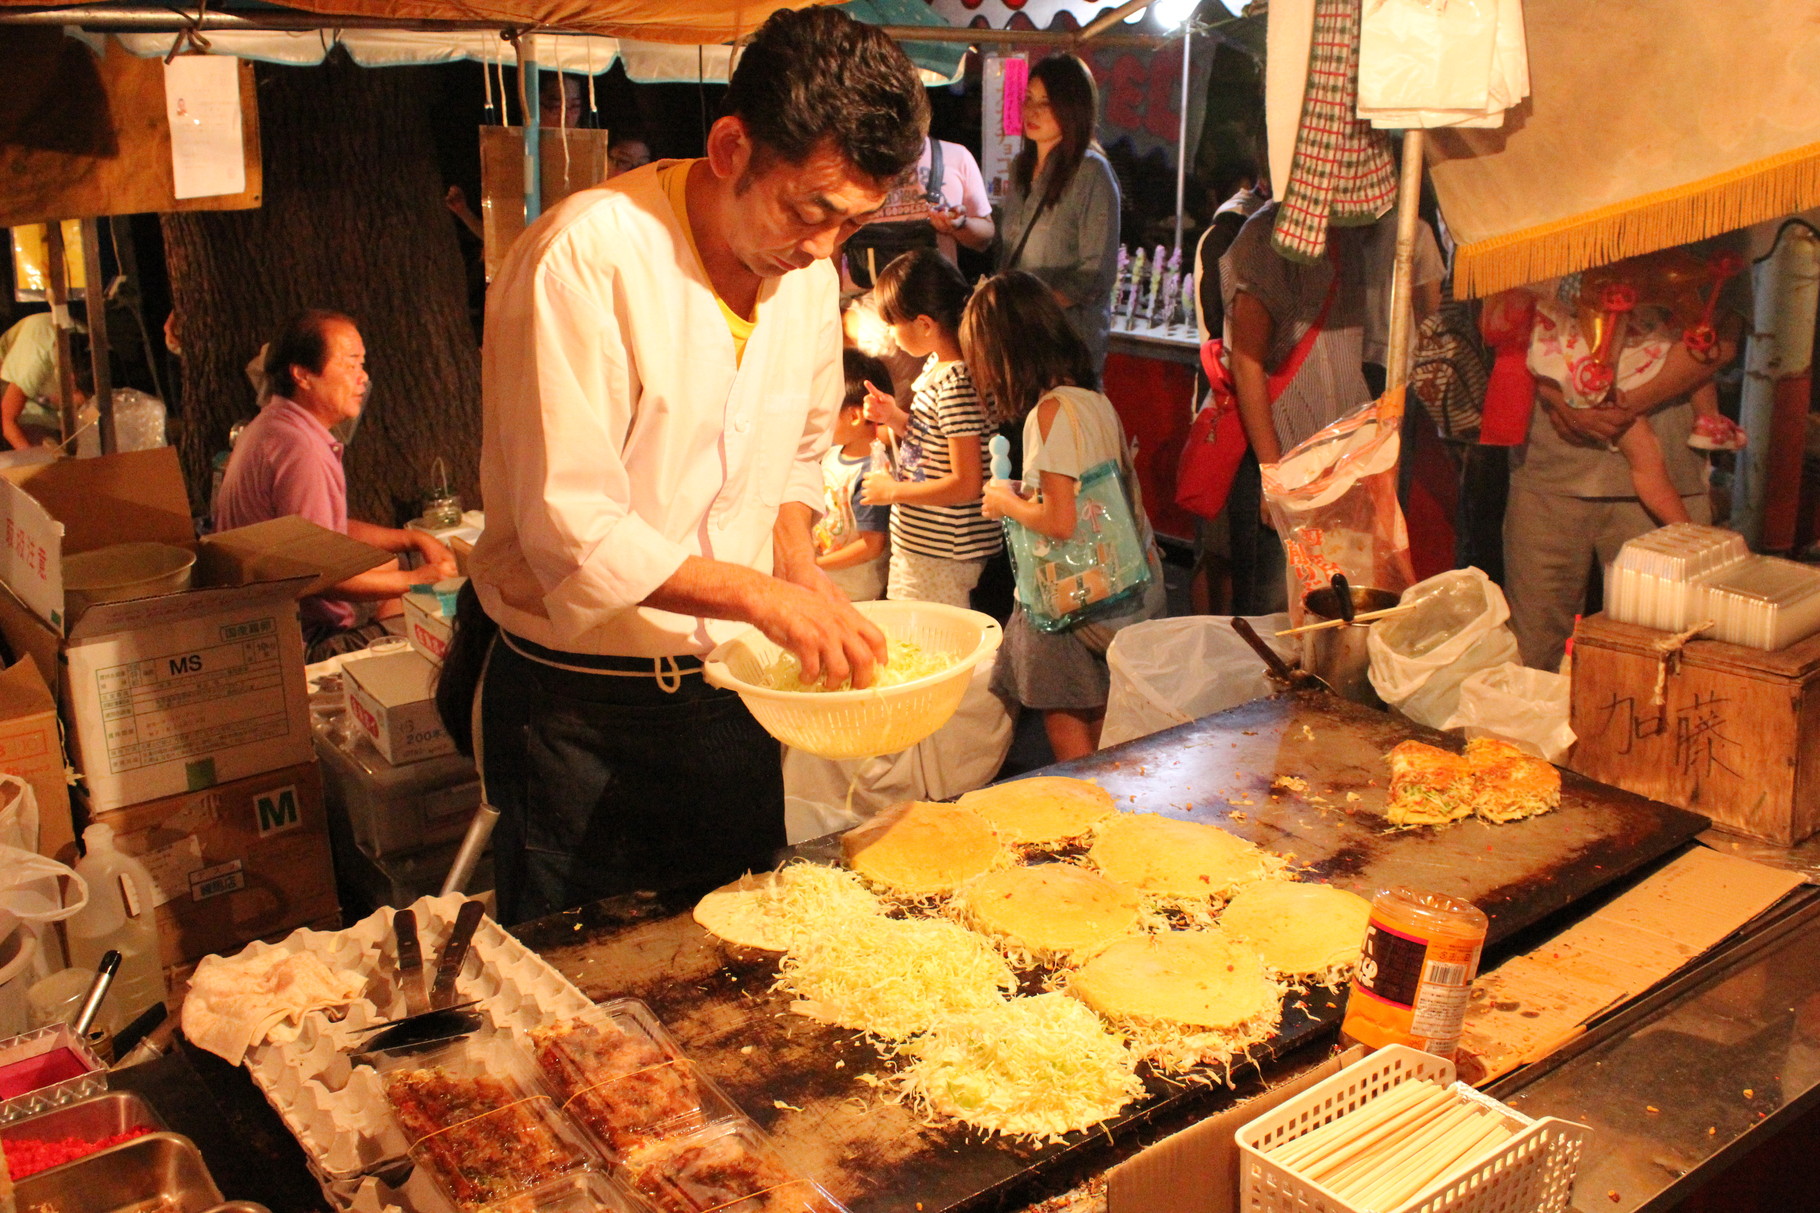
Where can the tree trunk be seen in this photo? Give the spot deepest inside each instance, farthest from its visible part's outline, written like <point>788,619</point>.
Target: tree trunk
<point>352,220</point>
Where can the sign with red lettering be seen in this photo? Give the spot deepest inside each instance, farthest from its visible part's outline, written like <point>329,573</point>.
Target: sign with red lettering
<point>31,560</point>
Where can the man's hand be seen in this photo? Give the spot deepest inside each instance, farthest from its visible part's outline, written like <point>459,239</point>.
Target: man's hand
<point>437,558</point>
<point>831,641</point>
<point>1595,427</point>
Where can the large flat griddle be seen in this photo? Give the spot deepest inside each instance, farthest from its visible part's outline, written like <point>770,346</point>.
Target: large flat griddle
<point>807,1082</point>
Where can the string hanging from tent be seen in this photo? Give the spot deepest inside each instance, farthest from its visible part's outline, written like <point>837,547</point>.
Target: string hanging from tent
<point>593,109</point>
<point>486,77</point>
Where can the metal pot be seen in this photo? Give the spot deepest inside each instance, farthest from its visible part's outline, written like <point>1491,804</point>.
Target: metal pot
<point>1338,655</point>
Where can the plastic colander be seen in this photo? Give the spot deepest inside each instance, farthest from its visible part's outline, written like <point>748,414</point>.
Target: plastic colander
<point>862,724</point>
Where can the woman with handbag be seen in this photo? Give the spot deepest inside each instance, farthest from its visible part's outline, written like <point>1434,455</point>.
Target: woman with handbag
<point>1084,557</point>
<point>1061,218</point>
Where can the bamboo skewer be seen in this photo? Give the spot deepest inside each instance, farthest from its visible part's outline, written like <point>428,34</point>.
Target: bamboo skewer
<point>1488,1143</point>
<point>1361,617</point>
<point>1444,1159</point>
<point>1423,1163</point>
<point>1375,1160</point>
<point>1351,1156</point>
<point>1359,1120</point>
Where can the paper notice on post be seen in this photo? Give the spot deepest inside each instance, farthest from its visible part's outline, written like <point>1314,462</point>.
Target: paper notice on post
<point>202,104</point>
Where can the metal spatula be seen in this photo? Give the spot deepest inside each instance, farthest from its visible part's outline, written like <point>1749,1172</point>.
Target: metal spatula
<point>444,1019</point>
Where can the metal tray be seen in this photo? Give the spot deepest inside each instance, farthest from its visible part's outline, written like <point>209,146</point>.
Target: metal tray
<point>127,1178</point>
<point>92,1119</point>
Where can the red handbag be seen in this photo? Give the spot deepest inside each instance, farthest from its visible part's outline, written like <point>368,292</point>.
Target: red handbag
<point>1216,441</point>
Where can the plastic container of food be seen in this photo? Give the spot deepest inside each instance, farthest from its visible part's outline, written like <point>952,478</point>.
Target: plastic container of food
<point>46,1069</point>
<point>878,720</point>
<point>1762,602</point>
<point>475,1120</point>
<point>162,1171</point>
<point>90,1121</point>
<point>577,1192</point>
<point>732,1167</point>
<point>617,1074</point>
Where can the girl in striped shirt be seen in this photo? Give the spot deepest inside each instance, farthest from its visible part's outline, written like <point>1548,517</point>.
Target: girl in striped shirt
<point>939,539</point>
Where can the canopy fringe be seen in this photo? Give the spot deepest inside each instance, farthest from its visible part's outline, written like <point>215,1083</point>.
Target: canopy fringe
<point>1753,193</point>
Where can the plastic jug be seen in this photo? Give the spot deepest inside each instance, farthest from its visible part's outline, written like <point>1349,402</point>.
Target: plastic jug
<point>118,915</point>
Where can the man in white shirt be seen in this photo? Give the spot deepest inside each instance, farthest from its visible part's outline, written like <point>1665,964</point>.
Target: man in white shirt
<point>661,370</point>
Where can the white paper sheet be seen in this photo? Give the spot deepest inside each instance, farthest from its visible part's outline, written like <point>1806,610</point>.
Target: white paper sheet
<point>202,104</point>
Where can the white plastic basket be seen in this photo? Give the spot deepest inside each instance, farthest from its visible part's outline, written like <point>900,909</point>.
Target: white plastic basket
<point>863,724</point>
<point>1532,1173</point>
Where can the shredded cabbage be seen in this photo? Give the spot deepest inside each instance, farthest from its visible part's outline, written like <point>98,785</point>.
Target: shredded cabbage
<point>892,978</point>
<point>905,662</point>
<point>802,899</point>
<point>1031,1067</point>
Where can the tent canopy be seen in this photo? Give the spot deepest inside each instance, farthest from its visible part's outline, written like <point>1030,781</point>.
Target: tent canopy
<point>654,37</point>
<point>1648,126</point>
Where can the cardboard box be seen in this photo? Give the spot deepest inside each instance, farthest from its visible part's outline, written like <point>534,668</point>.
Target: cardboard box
<point>392,698</point>
<point>233,863</point>
<point>425,627</point>
<point>1735,735</point>
<point>31,747</point>
<point>178,692</point>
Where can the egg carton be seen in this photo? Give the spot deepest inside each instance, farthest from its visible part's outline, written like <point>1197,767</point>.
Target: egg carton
<point>336,1108</point>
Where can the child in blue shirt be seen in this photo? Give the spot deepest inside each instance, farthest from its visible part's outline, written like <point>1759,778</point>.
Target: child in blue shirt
<point>851,537</point>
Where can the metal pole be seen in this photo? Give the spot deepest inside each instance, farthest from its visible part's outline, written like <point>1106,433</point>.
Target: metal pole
<point>57,288</point>
<point>1181,134</point>
<point>96,301</point>
<point>1409,198</point>
<point>528,97</point>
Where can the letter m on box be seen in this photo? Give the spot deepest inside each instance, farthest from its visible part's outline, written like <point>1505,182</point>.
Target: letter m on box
<point>276,810</point>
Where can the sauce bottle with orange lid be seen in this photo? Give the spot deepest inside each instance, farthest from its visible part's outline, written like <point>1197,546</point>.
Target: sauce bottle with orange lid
<point>1415,972</point>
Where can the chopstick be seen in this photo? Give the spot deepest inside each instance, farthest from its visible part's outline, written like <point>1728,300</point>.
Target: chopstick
<point>1361,617</point>
<point>1380,1155</point>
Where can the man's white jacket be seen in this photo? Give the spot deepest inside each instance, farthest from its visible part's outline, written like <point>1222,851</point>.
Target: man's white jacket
<point>620,436</point>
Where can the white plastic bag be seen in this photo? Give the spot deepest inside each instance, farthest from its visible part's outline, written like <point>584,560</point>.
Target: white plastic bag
<point>1528,708</point>
<point>37,889</point>
<point>138,424</point>
<point>1167,672</point>
<point>18,813</point>
<point>1458,627</point>
<point>1333,499</point>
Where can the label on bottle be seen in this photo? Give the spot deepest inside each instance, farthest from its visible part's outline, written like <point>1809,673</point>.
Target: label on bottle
<point>1390,965</point>
<point>129,896</point>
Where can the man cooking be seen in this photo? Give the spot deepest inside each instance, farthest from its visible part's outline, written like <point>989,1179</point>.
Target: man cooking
<point>661,368</point>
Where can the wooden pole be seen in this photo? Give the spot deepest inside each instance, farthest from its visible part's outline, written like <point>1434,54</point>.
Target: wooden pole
<point>57,288</point>
<point>96,301</point>
<point>1409,198</point>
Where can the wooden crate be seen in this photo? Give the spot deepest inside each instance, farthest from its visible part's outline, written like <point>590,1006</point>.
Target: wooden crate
<point>1736,737</point>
